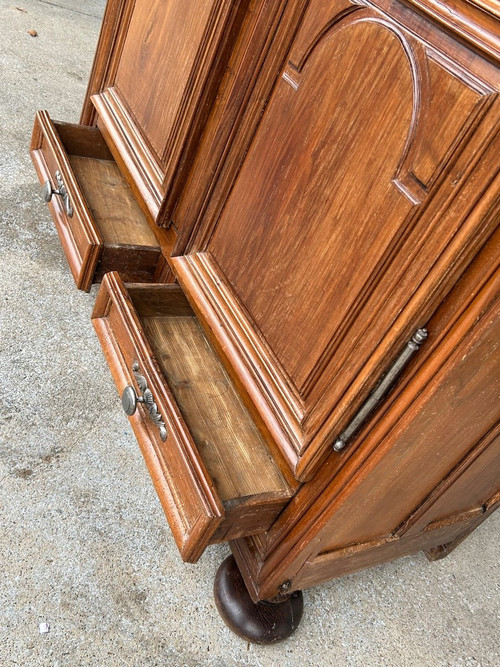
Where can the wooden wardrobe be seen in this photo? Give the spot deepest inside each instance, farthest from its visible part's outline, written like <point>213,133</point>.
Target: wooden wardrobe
<point>293,208</point>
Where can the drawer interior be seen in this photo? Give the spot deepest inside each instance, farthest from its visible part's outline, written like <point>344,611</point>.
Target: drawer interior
<point>107,229</point>
<point>229,443</point>
<point>114,209</point>
<point>209,462</point>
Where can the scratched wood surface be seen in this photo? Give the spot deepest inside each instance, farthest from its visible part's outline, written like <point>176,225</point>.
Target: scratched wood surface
<point>229,442</point>
<point>116,212</point>
<point>424,473</point>
<point>344,184</point>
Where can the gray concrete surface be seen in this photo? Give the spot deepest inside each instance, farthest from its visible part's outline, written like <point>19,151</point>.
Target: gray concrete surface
<point>84,545</point>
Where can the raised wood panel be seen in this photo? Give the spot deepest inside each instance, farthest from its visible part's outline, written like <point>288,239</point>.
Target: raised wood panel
<point>460,404</point>
<point>316,499</point>
<point>440,433</point>
<point>160,83</point>
<point>469,486</point>
<point>199,208</point>
<point>263,41</point>
<point>160,51</point>
<point>307,179</point>
<point>449,106</point>
<point>358,206</point>
<point>341,562</point>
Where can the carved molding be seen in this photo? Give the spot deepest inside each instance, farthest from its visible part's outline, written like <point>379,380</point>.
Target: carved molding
<point>303,429</point>
<point>157,170</point>
<point>428,249</point>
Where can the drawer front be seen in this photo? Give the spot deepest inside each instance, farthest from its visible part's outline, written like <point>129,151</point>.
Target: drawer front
<point>187,494</point>
<point>79,236</point>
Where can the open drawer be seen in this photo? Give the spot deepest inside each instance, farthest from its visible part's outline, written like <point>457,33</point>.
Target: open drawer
<point>100,224</point>
<point>209,463</point>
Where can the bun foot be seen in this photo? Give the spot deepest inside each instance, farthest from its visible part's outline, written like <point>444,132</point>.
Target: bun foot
<point>264,622</point>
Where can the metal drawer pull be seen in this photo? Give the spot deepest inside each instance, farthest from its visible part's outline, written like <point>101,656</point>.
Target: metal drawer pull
<point>48,191</point>
<point>130,399</point>
<point>382,389</point>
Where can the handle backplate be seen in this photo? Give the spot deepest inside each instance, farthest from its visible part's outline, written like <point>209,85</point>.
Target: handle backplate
<point>48,192</point>
<point>130,399</point>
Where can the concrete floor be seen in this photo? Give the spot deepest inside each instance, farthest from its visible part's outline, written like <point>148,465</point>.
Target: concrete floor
<point>84,545</point>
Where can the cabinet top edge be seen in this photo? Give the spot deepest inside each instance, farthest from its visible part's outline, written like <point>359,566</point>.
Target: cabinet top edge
<point>475,22</point>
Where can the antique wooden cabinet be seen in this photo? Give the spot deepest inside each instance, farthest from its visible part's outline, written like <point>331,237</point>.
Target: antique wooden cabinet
<point>293,207</point>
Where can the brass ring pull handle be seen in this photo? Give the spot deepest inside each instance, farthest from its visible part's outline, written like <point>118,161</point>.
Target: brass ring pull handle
<point>130,399</point>
<point>48,192</point>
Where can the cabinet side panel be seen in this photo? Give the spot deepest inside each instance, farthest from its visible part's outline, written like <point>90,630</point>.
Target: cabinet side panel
<point>476,483</point>
<point>420,475</point>
<point>458,408</point>
<point>333,564</point>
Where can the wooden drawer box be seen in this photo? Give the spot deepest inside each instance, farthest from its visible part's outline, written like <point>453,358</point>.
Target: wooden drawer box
<point>211,469</point>
<point>100,224</point>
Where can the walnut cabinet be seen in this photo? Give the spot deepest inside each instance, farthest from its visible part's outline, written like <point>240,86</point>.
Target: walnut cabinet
<point>293,208</point>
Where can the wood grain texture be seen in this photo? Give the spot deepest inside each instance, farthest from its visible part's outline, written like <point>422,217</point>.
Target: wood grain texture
<point>416,464</point>
<point>329,191</point>
<point>153,300</point>
<point>108,230</point>
<point>106,55</point>
<point>166,238</point>
<point>134,262</point>
<point>136,160</point>
<point>439,435</point>
<point>79,236</point>
<point>352,559</point>
<point>465,488</point>
<point>156,102</point>
<point>228,441</point>
<point>256,60</point>
<point>83,141</point>
<point>474,21</point>
<point>149,75</point>
<point>204,498</point>
<point>443,550</point>
<point>114,209</point>
<point>455,307</point>
<point>350,248</point>
<point>198,209</point>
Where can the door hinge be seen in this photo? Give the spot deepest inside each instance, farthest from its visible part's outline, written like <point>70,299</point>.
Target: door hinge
<point>382,388</point>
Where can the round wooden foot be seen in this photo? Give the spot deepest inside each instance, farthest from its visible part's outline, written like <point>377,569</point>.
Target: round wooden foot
<point>263,623</point>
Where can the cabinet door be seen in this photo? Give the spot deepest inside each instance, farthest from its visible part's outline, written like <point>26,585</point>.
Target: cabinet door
<point>370,184</point>
<point>166,61</point>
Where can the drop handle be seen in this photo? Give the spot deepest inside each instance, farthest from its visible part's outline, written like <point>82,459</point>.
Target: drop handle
<point>382,389</point>
<point>49,192</point>
<point>130,399</point>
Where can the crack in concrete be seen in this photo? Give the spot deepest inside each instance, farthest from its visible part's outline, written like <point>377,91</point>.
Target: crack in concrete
<point>69,9</point>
